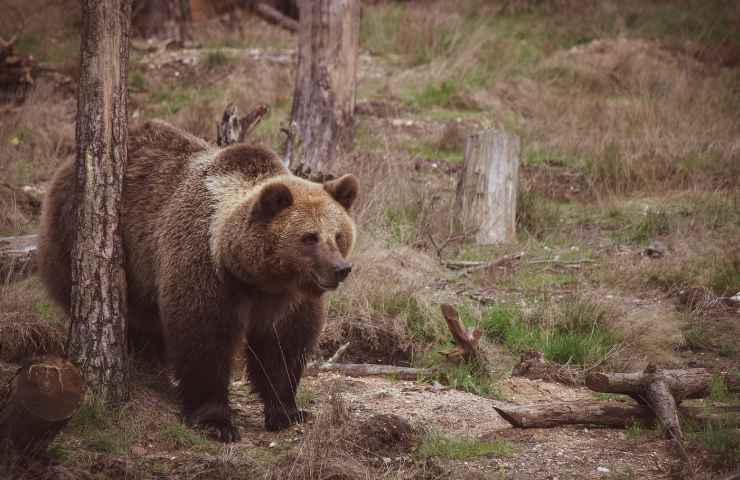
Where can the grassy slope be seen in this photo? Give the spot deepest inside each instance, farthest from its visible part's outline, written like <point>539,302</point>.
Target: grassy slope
<point>626,141</point>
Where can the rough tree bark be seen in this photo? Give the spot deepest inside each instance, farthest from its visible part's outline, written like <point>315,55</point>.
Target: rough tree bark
<point>41,398</point>
<point>97,335</point>
<point>487,187</point>
<point>326,78</point>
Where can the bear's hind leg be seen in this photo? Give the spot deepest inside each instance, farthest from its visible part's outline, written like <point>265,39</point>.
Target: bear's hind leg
<point>276,355</point>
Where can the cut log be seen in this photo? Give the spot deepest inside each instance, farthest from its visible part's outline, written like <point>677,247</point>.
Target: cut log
<point>326,81</point>
<point>273,16</point>
<point>487,187</point>
<point>466,339</point>
<point>593,412</point>
<point>369,370</point>
<point>42,397</point>
<point>17,257</point>
<point>688,383</point>
<point>234,129</point>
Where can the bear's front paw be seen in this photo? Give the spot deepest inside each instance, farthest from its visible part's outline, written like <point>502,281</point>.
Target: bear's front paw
<point>217,419</point>
<point>279,420</point>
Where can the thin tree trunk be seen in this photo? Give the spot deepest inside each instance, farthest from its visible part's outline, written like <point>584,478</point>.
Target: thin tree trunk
<point>487,187</point>
<point>326,79</point>
<point>97,335</point>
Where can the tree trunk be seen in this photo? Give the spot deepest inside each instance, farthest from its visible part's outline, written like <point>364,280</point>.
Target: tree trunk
<point>326,78</point>
<point>44,394</point>
<point>487,187</point>
<point>97,334</point>
<point>164,19</point>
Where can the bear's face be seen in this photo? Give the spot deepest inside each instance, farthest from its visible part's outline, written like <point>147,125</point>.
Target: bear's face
<point>297,235</point>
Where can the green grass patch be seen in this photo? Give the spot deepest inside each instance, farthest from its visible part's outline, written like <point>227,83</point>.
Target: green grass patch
<point>431,151</point>
<point>718,389</point>
<point>305,397</point>
<point>575,332</point>
<point>536,215</point>
<point>137,81</point>
<point>177,436</point>
<point>437,444</point>
<point>95,424</point>
<point>401,222</point>
<point>720,437</point>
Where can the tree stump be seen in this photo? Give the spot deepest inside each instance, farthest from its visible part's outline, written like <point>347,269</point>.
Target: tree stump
<point>326,79</point>
<point>41,398</point>
<point>487,187</point>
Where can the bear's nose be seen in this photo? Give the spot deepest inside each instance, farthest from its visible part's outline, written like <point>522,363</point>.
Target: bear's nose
<point>342,270</point>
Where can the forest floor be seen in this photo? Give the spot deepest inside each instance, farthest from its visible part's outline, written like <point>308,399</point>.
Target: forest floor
<point>628,114</point>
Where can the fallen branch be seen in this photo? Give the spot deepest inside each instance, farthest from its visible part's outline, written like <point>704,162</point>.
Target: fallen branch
<point>612,414</point>
<point>593,412</point>
<point>369,370</point>
<point>660,390</point>
<point>234,129</point>
<point>466,339</point>
<point>45,393</point>
<point>473,266</point>
<point>273,16</point>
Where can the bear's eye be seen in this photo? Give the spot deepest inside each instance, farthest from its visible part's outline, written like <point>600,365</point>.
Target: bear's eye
<point>310,238</point>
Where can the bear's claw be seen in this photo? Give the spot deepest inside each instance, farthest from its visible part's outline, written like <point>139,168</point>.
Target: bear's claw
<point>217,418</point>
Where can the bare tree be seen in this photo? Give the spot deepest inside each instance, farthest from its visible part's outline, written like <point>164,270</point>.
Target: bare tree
<point>97,334</point>
<point>326,78</point>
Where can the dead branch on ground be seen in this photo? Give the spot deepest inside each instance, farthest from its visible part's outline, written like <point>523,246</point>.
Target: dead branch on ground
<point>234,129</point>
<point>466,339</point>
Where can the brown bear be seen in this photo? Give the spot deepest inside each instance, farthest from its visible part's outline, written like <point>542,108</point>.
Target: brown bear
<point>218,243</point>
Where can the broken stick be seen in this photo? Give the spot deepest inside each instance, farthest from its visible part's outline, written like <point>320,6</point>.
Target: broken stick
<point>234,129</point>
<point>466,339</point>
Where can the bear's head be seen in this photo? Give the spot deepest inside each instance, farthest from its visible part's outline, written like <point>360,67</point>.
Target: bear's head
<point>292,234</point>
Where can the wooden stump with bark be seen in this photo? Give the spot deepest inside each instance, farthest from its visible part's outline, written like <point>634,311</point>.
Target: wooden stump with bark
<point>40,399</point>
<point>487,187</point>
<point>326,79</point>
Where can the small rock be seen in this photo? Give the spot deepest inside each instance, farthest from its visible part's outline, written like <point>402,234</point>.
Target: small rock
<point>602,470</point>
<point>735,298</point>
<point>437,387</point>
<point>656,249</point>
<point>138,451</point>
<point>272,444</point>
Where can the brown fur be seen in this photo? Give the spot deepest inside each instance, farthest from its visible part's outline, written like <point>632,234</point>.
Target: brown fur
<point>218,244</point>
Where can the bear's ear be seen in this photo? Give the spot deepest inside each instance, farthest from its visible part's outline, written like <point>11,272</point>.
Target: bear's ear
<point>273,199</point>
<point>343,190</point>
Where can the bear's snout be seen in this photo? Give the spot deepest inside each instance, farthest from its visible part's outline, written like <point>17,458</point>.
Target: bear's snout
<point>342,270</point>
